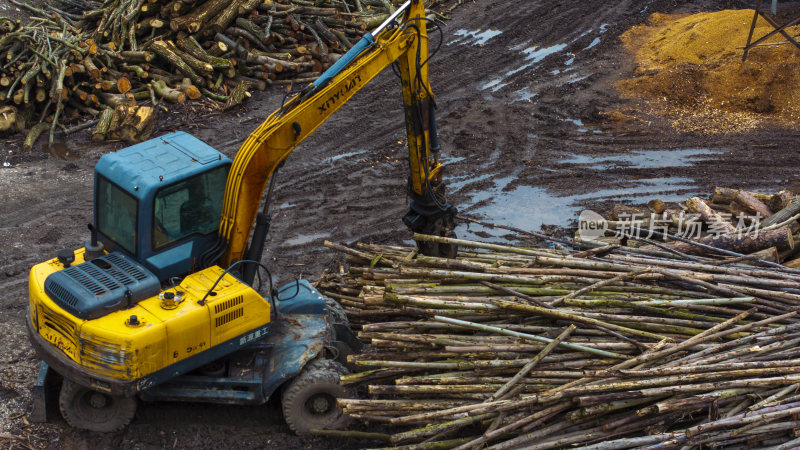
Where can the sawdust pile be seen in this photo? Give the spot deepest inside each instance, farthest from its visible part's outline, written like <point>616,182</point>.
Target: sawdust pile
<point>689,68</point>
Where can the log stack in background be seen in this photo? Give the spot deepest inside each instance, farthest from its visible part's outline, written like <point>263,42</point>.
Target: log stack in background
<point>606,347</point>
<point>764,226</point>
<point>85,56</point>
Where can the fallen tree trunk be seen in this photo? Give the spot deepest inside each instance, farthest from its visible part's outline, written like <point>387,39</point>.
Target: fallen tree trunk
<point>783,215</point>
<point>751,204</point>
<point>737,242</point>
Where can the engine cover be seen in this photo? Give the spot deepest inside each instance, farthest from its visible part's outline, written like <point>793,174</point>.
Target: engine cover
<point>103,285</point>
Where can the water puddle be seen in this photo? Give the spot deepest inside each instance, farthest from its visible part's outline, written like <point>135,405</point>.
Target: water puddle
<point>476,37</point>
<point>303,239</point>
<point>456,183</point>
<point>450,160</point>
<point>495,85</point>
<point>523,95</point>
<point>593,43</point>
<point>530,207</point>
<point>574,78</point>
<point>581,128</point>
<point>346,155</point>
<point>640,159</point>
<point>61,151</point>
<point>533,55</point>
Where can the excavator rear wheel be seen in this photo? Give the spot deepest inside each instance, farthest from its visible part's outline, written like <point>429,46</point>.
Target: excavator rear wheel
<point>336,312</point>
<point>91,410</point>
<point>309,402</point>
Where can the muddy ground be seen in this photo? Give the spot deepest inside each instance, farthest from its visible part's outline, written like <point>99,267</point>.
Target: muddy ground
<point>520,84</point>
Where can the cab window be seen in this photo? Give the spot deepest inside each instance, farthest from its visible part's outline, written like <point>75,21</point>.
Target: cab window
<point>116,214</point>
<point>192,206</point>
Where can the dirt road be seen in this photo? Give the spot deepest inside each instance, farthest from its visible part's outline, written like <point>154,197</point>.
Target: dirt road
<point>520,86</point>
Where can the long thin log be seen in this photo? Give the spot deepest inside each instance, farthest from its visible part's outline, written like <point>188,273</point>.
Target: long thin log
<point>523,372</point>
<point>575,318</point>
<point>197,65</point>
<point>491,329</point>
<point>600,284</point>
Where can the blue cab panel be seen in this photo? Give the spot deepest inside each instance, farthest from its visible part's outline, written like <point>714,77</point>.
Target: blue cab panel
<point>141,186</point>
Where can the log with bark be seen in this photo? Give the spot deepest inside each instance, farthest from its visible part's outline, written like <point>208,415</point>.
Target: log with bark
<point>740,242</point>
<point>87,58</point>
<point>735,223</point>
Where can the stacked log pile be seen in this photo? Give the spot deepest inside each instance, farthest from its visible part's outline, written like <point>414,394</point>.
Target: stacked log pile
<point>763,226</point>
<point>87,55</point>
<point>605,347</point>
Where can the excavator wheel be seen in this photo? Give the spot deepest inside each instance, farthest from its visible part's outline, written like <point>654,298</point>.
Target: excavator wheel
<point>94,411</point>
<point>336,312</point>
<point>309,401</point>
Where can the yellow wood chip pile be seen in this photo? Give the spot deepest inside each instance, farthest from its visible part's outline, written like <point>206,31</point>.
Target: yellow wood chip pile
<point>689,67</point>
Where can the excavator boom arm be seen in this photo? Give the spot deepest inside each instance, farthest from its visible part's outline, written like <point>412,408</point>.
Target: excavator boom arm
<point>272,142</point>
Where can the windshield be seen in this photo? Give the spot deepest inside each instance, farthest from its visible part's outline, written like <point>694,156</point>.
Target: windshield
<point>192,206</point>
<point>116,214</point>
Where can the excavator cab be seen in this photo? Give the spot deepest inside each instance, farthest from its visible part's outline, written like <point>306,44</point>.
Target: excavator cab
<point>159,202</point>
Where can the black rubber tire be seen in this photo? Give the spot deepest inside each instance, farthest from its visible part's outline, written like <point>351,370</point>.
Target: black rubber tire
<point>327,364</point>
<point>108,414</point>
<point>336,312</point>
<point>309,401</point>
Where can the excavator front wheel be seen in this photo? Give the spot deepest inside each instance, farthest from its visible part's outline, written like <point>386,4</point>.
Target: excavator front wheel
<point>91,410</point>
<point>309,401</point>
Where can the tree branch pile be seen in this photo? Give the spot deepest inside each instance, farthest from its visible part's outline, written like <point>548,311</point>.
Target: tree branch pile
<point>84,56</point>
<point>607,347</point>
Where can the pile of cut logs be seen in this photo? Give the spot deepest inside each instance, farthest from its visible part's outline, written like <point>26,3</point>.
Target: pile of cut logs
<point>89,55</point>
<point>601,347</point>
<point>733,220</point>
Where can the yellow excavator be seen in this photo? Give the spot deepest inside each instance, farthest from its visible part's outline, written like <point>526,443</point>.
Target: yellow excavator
<point>163,301</point>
